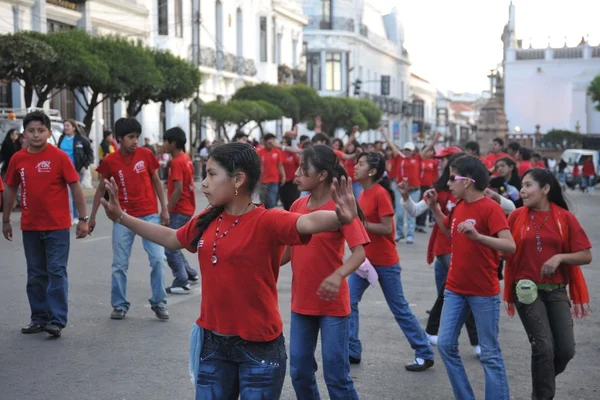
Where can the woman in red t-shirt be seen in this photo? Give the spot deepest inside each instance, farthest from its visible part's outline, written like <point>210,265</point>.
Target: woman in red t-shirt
<point>320,297</point>
<point>588,175</point>
<point>352,148</point>
<point>376,202</point>
<point>237,346</point>
<point>551,244</point>
<point>288,192</point>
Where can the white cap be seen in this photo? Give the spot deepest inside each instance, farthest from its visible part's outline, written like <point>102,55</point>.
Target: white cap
<point>409,146</point>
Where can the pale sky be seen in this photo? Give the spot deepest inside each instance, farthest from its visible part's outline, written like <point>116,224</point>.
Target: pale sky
<point>454,43</point>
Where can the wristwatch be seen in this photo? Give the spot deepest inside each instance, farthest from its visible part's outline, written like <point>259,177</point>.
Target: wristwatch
<point>84,219</point>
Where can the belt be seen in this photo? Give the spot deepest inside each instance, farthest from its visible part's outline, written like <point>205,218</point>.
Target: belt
<point>548,287</point>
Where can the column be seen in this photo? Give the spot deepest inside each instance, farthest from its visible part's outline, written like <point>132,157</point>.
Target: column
<point>38,17</point>
<point>85,22</point>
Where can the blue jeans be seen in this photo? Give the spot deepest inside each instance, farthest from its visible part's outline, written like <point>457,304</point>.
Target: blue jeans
<point>335,331</point>
<point>231,367</point>
<point>486,311</point>
<point>175,258</point>
<point>391,284</point>
<point>47,254</point>
<point>357,188</point>
<point>272,190</point>
<point>122,242</point>
<point>411,222</point>
<point>441,266</point>
<point>72,205</point>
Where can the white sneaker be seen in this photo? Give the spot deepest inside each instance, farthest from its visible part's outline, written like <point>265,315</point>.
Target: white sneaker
<point>179,289</point>
<point>477,350</point>
<point>432,339</point>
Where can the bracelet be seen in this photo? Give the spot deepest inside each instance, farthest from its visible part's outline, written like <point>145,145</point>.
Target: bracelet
<point>120,219</point>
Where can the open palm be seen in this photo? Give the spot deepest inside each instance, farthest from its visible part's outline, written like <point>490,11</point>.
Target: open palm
<point>345,202</point>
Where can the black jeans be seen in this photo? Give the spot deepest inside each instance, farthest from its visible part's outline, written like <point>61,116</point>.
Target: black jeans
<point>288,194</point>
<point>549,325</point>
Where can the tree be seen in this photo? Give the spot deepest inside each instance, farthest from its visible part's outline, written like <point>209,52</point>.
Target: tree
<point>181,78</point>
<point>371,113</point>
<point>340,112</point>
<point>308,101</point>
<point>594,91</point>
<point>258,111</point>
<point>26,58</point>
<point>221,114</point>
<point>276,95</point>
<point>562,139</point>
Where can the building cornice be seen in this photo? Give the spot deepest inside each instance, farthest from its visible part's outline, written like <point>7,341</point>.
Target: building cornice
<point>62,14</point>
<point>24,3</point>
<point>120,28</point>
<point>124,6</point>
<point>299,18</point>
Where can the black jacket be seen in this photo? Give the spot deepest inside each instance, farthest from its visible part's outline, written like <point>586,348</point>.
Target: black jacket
<point>82,149</point>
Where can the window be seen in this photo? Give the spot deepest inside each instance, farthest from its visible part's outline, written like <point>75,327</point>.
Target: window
<point>295,53</point>
<point>163,17</point>
<point>314,70</point>
<point>333,72</point>
<point>385,85</point>
<point>178,11</point>
<point>63,100</point>
<point>5,94</point>
<point>263,39</point>
<point>326,22</point>
<point>55,26</point>
<point>274,43</point>
<point>219,38</point>
<point>108,113</point>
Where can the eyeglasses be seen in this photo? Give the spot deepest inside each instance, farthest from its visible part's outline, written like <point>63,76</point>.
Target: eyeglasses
<point>460,178</point>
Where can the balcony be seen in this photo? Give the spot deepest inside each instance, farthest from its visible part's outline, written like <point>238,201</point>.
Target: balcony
<point>335,24</point>
<point>223,61</point>
<point>386,104</point>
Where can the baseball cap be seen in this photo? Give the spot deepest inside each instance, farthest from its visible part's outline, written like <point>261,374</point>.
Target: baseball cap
<point>409,146</point>
<point>448,151</point>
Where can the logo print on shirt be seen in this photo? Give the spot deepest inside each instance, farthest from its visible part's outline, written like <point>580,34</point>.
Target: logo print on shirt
<point>123,187</point>
<point>139,167</point>
<point>43,166</point>
<point>200,243</point>
<point>23,189</point>
<point>450,205</point>
<point>274,155</point>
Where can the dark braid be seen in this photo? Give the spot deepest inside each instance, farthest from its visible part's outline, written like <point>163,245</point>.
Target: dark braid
<point>233,158</point>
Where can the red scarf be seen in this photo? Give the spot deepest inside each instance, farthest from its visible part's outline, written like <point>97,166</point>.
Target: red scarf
<point>578,291</point>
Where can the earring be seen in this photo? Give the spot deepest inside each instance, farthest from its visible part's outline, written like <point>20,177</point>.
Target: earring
<point>370,174</point>
<point>236,192</point>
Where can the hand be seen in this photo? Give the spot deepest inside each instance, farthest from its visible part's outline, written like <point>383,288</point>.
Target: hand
<point>550,266</point>
<point>92,225</point>
<point>403,188</point>
<point>431,197</point>
<point>345,202</point>
<point>82,229</point>
<point>355,128</point>
<point>165,218</point>
<point>493,195</point>
<point>330,287</point>
<point>112,206</point>
<point>468,228</point>
<point>7,230</point>
<point>83,170</point>
<point>283,180</point>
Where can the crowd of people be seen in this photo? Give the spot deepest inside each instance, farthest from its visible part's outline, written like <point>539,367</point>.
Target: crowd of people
<point>498,217</point>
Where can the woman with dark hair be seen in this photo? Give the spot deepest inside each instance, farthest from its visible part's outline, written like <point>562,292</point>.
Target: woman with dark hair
<point>352,148</point>
<point>377,201</point>
<point>237,346</point>
<point>551,244</point>
<point>508,182</point>
<point>10,145</point>
<point>320,296</point>
<point>288,192</point>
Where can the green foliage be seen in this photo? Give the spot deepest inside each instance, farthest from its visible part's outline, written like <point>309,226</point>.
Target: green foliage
<point>341,112</point>
<point>221,113</point>
<point>594,91</point>
<point>181,78</point>
<point>276,95</point>
<point>258,111</point>
<point>308,101</point>
<point>371,113</point>
<point>562,139</point>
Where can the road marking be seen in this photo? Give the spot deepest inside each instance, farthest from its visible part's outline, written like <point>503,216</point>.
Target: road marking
<point>180,298</point>
<point>96,239</point>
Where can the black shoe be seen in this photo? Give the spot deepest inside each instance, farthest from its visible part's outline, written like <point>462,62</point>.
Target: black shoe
<point>428,312</point>
<point>193,280</point>
<point>416,367</point>
<point>399,238</point>
<point>420,229</point>
<point>32,328</point>
<point>117,313</point>
<point>161,312</point>
<point>179,289</point>
<point>53,330</point>
<point>354,360</point>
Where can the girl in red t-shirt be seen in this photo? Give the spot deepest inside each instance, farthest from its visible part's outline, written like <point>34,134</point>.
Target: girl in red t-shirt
<point>377,205</point>
<point>551,245</point>
<point>320,297</point>
<point>237,346</point>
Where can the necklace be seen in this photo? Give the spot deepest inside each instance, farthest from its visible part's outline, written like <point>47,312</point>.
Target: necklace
<point>214,258</point>
<point>538,240</point>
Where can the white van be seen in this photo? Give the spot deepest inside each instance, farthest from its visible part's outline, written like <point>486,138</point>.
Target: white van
<point>572,156</point>
<point>11,118</point>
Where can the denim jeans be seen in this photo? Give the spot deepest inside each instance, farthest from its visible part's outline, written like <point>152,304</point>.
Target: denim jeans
<point>549,325</point>
<point>391,284</point>
<point>272,190</point>
<point>335,331</point>
<point>486,311</point>
<point>415,195</point>
<point>175,258</point>
<point>231,367</point>
<point>47,255</point>
<point>72,205</point>
<point>441,267</point>
<point>122,242</point>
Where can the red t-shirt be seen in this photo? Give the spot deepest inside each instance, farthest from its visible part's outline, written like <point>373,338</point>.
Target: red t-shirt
<point>239,293</point>
<point>269,160</point>
<point>576,170</point>
<point>524,166</point>
<point>133,174</point>
<point>443,244</point>
<point>492,158</point>
<point>339,154</point>
<point>429,172</point>
<point>290,163</point>
<point>1,185</point>
<point>376,203</point>
<point>588,169</point>
<point>539,164</point>
<point>391,168</point>
<point>474,267</point>
<point>182,169</point>
<point>44,179</point>
<point>530,264</point>
<point>350,167</point>
<point>409,168</point>
<point>318,259</point>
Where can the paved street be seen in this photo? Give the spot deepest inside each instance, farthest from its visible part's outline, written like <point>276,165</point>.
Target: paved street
<point>144,358</point>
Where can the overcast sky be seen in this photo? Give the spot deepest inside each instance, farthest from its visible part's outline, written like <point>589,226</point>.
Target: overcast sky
<point>454,43</point>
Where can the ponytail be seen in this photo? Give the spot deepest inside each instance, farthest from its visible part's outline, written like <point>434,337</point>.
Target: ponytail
<point>386,184</point>
<point>204,221</point>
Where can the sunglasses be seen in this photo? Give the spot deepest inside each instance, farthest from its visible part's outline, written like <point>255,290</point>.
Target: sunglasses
<point>460,178</point>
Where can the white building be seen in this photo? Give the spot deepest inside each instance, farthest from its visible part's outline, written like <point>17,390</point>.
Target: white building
<point>548,87</point>
<point>350,40</point>
<point>424,99</point>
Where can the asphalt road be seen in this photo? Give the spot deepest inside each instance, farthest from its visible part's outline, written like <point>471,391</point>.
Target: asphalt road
<point>144,358</point>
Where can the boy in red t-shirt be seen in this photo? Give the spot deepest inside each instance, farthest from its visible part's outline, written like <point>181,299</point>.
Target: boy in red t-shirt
<point>479,230</point>
<point>182,206</point>
<point>135,169</point>
<point>44,174</point>
<point>273,173</point>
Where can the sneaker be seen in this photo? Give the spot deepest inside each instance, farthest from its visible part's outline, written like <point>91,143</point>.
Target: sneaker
<point>161,312</point>
<point>53,330</point>
<point>419,365</point>
<point>194,280</point>
<point>179,289</point>
<point>421,229</point>
<point>410,240</point>
<point>432,339</point>
<point>399,238</point>
<point>32,328</point>
<point>118,314</point>
<point>477,350</point>
<point>353,360</point>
